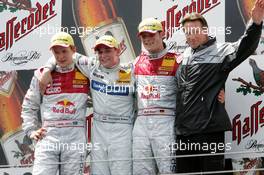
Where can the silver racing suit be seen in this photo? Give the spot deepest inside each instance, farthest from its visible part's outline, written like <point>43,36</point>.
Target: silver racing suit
<point>112,93</point>
<point>113,105</point>
<point>153,133</point>
<point>63,109</point>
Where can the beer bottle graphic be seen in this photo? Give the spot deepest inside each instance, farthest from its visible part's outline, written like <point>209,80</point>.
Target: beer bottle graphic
<point>10,98</point>
<point>13,140</point>
<point>99,18</point>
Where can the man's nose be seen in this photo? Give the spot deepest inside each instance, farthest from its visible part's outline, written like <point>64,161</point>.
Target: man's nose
<point>102,54</point>
<point>60,57</point>
<point>191,37</point>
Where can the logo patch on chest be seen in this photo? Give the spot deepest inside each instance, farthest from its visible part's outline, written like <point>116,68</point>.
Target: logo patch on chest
<point>98,75</point>
<point>168,62</point>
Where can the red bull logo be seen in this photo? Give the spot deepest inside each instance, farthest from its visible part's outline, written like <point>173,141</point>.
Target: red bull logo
<point>65,107</point>
<point>148,89</point>
<point>150,92</point>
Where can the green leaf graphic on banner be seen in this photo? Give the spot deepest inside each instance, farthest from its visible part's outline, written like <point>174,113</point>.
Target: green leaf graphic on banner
<point>13,9</point>
<point>3,7</point>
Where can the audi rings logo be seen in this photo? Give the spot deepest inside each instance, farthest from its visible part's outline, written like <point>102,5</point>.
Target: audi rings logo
<point>53,90</point>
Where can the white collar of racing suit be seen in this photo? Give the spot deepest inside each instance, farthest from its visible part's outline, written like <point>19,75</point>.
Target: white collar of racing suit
<point>64,69</point>
<point>112,69</point>
<point>153,56</point>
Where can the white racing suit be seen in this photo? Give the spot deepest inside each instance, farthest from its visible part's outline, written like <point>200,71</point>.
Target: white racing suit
<point>63,109</point>
<point>112,93</point>
<point>113,105</point>
<point>153,133</point>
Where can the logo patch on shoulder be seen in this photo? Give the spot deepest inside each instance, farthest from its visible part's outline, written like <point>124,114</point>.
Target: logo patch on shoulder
<point>80,76</point>
<point>124,76</point>
<point>80,79</point>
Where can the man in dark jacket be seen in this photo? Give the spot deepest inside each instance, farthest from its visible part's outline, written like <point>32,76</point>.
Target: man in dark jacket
<point>201,119</point>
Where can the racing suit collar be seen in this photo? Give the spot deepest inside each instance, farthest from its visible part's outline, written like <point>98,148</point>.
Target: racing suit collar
<point>153,56</point>
<point>210,42</point>
<point>64,69</point>
<point>112,69</point>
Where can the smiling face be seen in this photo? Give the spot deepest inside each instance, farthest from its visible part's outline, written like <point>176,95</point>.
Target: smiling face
<point>195,33</point>
<point>108,56</point>
<point>152,42</point>
<point>63,55</point>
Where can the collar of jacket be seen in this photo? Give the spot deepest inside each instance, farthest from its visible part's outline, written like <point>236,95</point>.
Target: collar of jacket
<point>210,42</point>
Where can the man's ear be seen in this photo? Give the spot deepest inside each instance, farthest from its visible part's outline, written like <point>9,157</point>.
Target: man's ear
<point>162,34</point>
<point>73,48</point>
<point>118,51</point>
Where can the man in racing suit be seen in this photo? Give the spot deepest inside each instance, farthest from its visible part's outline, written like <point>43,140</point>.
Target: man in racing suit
<point>204,70</point>
<point>61,134</point>
<point>112,90</point>
<point>155,71</point>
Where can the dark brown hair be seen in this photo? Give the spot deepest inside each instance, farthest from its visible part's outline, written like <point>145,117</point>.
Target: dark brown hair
<point>194,17</point>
